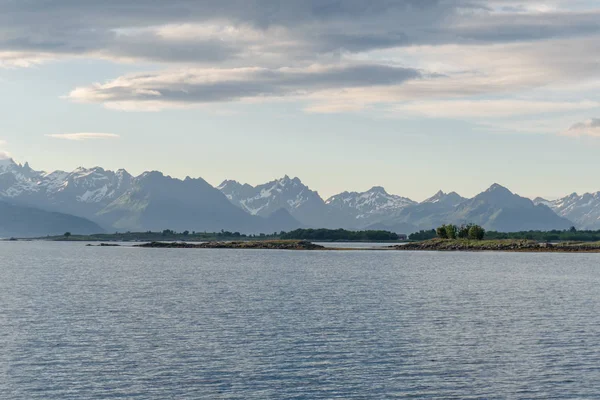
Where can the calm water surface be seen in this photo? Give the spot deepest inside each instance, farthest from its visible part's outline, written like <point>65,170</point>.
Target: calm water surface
<point>96,323</point>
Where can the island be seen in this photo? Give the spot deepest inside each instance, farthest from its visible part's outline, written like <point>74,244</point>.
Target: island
<point>168,235</point>
<point>261,244</point>
<point>513,245</point>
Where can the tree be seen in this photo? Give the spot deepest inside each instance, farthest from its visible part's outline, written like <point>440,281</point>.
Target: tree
<point>185,233</point>
<point>423,235</point>
<point>476,232</point>
<point>67,235</point>
<point>572,229</point>
<point>451,231</point>
<point>463,231</point>
<point>441,232</point>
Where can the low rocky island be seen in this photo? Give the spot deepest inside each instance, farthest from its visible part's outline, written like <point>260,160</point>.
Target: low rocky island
<point>259,244</point>
<point>499,245</point>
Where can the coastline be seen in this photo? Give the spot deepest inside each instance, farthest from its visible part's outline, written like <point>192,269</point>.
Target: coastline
<point>444,245</point>
<point>437,245</point>
<point>503,245</point>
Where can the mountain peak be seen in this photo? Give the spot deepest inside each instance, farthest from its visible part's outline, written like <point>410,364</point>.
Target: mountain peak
<point>377,189</point>
<point>497,187</point>
<point>436,197</point>
<point>286,180</point>
<point>228,182</point>
<point>7,162</point>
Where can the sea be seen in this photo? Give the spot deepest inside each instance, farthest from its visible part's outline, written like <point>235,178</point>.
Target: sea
<point>80,322</point>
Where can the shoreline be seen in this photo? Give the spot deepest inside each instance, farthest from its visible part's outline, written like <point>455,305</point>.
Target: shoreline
<point>437,245</point>
<point>503,245</point>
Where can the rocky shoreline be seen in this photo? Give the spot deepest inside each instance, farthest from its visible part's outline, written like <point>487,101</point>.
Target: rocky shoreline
<point>265,245</point>
<point>500,245</point>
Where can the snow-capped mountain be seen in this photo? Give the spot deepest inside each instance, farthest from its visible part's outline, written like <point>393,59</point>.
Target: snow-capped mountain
<point>81,192</point>
<point>117,200</point>
<point>368,207</point>
<point>303,204</point>
<point>155,201</point>
<point>583,210</point>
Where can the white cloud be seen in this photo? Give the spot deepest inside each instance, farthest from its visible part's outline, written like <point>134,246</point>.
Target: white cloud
<point>490,108</point>
<point>591,127</point>
<point>83,136</point>
<point>12,59</point>
<point>4,155</point>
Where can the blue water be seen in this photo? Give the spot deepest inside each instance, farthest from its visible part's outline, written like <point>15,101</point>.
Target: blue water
<point>79,322</point>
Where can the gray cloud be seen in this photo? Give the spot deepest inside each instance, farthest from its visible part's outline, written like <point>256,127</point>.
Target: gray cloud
<point>591,127</point>
<point>208,86</point>
<point>122,28</point>
<point>228,50</point>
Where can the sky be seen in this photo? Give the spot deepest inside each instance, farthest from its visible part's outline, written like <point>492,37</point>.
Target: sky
<point>412,95</point>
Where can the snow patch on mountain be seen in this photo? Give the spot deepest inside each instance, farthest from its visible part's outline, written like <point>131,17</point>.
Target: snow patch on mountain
<point>583,210</point>
<point>366,205</point>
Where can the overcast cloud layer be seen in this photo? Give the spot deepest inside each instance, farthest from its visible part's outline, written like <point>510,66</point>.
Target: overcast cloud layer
<point>465,59</point>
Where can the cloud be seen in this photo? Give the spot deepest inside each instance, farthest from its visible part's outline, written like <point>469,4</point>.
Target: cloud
<point>4,155</point>
<point>197,86</point>
<point>83,136</point>
<point>591,127</point>
<point>269,32</point>
<point>418,57</point>
<point>490,108</point>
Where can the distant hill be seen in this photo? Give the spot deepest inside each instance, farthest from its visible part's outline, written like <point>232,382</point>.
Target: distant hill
<point>430,213</point>
<point>496,209</point>
<point>22,221</point>
<point>499,209</point>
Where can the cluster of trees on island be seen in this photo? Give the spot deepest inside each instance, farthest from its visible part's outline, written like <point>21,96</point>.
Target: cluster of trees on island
<point>468,231</point>
<point>341,235</point>
<point>567,235</point>
<point>450,231</point>
<point>298,234</point>
<point>447,231</point>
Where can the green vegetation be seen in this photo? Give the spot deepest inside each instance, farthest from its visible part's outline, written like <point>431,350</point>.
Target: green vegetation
<point>468,231</point>
<point>337,235</point>
<point>170,235</point>
<point>165,235</point>
<point>549,236</point>
<point>423,235</point>
<point>571,234</point>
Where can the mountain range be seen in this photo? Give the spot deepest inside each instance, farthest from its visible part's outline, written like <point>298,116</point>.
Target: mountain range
<point>583,210</point>
<point>100,199</point>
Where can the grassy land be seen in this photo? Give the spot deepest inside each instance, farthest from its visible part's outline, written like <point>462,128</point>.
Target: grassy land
<point>500,245</point>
